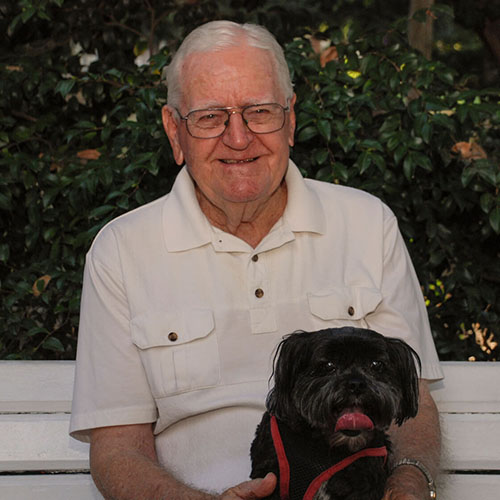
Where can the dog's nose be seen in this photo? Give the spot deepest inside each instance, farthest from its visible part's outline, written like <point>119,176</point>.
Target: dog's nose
<point>355,385</point>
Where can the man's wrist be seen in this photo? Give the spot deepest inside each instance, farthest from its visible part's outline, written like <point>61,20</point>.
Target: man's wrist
<point>423,471</point>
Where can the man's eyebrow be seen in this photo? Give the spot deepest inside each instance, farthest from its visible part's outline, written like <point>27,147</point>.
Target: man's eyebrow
<point>216,105</point>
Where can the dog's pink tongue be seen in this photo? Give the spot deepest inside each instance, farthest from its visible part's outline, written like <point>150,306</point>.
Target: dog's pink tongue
<point>353,421</point>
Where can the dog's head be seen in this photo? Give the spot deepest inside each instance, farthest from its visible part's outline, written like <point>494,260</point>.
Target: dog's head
<point>343,383</point>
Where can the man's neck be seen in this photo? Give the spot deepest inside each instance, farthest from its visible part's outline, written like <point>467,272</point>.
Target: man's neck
<point>250,221</point>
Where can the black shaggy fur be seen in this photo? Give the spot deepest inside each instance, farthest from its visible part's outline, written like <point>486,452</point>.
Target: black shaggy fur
<point>319,376</point>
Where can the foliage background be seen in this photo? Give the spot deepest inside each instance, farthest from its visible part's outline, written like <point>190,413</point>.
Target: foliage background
<point>81,142</point>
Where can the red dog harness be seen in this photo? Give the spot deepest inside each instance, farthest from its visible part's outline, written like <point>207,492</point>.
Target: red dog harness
<point>310,462</point>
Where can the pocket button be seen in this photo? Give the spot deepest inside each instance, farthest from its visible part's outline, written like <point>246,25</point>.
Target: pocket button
<point>350,311</point>
<point>172,336</point>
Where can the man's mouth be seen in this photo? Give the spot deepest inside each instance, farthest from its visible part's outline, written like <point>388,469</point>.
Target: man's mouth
<point>236,162</point>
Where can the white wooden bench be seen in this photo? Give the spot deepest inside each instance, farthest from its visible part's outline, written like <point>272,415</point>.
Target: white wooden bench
<point>39,461</point>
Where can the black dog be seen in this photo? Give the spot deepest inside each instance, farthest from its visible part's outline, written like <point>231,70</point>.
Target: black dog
<point>336,392</point>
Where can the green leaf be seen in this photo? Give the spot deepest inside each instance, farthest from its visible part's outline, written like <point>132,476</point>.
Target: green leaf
<point>4,252</point>
<point>49,233</point>
<point>340,171</point>
<point>390,124</point>
<point>325,129</point>
<point>422,160</point>
<point>446,75</point>
<point>494,219</point>
<point>408,167</point>
<point>394,142</point>
<point>27,13</point>
<point>100,212</point>
<point>399,153</point>
<point>346,142</point>
<point>53,344</point>
<point>36,330</point>
<point>486,201</point>
<point>468,174</point>
<point>372,144</point>
<point>21,133</point>
<point>364,161</point>
<point>307,133</point>
<point>5,202</point>
<point>379,161</point>
<point>320,156</point>
<point>64,87</point>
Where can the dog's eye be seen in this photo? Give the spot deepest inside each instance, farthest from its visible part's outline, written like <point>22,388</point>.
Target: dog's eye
<point>377,366</point>
<point>329,367</point>
<point>323,368</point>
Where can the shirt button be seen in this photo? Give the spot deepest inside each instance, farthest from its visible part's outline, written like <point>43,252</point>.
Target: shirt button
<point>255,258</point>
<point>259,293</point>
<point>172,336</point>
<point>350,311</point>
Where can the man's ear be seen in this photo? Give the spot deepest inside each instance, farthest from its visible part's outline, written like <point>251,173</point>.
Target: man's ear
<point>291,115</point>
<point>171,126</point>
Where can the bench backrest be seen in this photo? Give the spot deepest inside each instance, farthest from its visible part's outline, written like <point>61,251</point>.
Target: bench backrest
<point>35,405</point>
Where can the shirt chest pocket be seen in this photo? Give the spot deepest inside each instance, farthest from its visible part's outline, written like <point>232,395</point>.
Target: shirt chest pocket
<point>179,350</point>
<point>343,305</point>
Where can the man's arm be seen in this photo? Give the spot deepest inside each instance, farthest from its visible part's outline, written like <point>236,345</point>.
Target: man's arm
<point>418,439</point>
<point>124,466</point>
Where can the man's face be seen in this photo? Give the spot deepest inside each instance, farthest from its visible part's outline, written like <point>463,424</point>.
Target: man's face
<point>239,166</point>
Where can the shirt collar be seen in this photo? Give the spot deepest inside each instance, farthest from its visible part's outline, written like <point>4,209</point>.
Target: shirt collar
<point>304,211</point>
<point>185,226</point>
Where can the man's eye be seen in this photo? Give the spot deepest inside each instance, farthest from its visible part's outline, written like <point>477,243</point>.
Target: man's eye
<point>207,117</point>
<point>257,113</point>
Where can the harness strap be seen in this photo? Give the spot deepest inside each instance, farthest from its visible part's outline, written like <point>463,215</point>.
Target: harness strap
<point>367,452</point>
<point>284,467</point>
<point>282,460</point>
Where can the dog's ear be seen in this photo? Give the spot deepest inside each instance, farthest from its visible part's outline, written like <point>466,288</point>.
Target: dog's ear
<point>405,361</point>
<point>291,357</point>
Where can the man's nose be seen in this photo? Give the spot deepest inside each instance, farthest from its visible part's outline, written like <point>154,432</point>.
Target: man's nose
<point>237,134</point>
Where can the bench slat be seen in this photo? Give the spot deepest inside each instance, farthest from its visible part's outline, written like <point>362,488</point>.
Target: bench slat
<point>50,487</point>
<point>81,487</point>
<point>472,440</point>
<point>40,442</point>
<point>468,387</point>
<point>48,385</point>
<point>468,486</point>
<point>36,386</point>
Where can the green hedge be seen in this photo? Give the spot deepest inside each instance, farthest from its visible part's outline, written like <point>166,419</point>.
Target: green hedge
<point>78,148</point>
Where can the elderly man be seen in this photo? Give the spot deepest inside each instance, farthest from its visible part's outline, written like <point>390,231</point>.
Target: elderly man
<point>185,298</point>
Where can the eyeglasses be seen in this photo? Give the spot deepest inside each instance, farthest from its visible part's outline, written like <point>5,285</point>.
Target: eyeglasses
<point>212,122</point>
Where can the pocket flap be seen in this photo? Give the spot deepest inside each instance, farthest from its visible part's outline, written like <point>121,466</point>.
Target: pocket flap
<point>350,303</point>
<point>156,329</point>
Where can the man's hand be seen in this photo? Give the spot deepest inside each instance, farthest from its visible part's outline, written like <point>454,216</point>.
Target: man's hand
<point>251,490</point>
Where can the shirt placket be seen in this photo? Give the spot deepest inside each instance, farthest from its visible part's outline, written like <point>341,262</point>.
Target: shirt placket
<point>260,300</point>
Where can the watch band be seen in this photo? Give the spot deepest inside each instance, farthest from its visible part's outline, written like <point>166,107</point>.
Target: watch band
<point>424,470</point>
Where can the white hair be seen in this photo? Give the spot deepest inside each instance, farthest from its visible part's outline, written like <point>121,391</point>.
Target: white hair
<point>219,35</point>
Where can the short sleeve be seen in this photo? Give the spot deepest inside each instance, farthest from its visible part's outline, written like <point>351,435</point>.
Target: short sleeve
<point>402,312</point>
<point>111,387</point>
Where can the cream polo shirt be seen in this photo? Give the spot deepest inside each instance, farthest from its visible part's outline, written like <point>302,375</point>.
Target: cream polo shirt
<point>179,320</point>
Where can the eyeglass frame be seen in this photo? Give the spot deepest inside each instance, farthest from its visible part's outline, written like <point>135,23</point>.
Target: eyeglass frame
<point>229,112</point>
